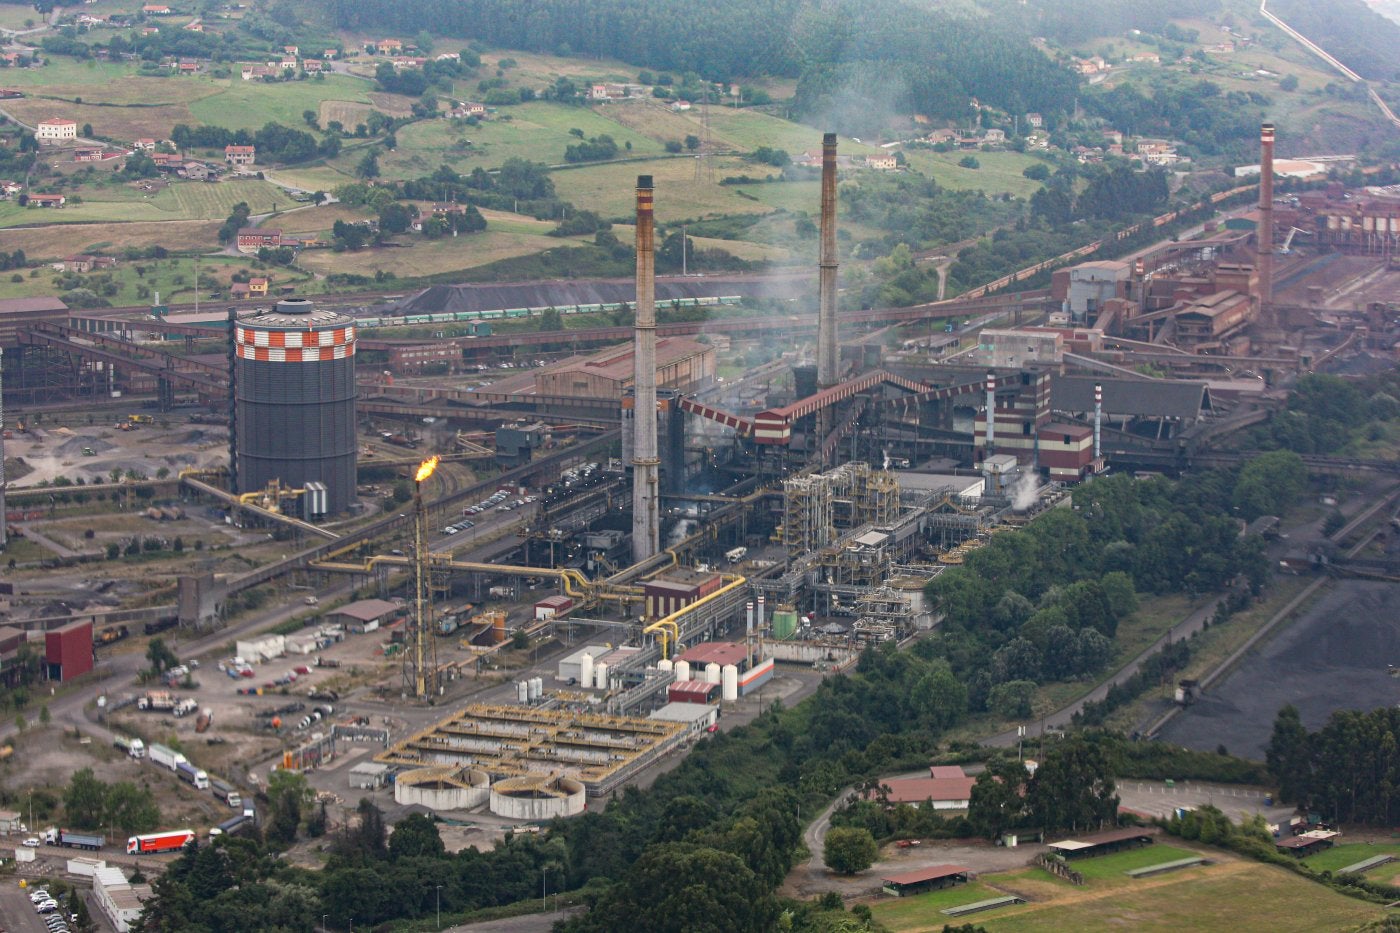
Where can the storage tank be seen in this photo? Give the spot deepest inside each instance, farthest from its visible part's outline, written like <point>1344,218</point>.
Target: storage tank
<point>729,685</point>
<point>294,400</point>
<point>522,691</point>
<point>682,670</point>
<point>712,673</point>
<point>665,665</point>
<point>784,623</point>
<point>600,675</point>
<point>585,670</point>
<point>536,688</point>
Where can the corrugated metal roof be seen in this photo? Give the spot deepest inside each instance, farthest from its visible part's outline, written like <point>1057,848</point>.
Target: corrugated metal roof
<point>715,652</point>
<point>1141,398</point>
<point>919,875</point>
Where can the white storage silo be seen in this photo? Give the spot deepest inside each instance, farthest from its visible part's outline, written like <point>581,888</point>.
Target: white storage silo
<point>600,675</point>
<point>522,691</point>
<point>536,688</point>
<point>729,685</point>
<point>585,671</point>
<point>665,665</point>
<point>682,670</point>
<point>712,673</point>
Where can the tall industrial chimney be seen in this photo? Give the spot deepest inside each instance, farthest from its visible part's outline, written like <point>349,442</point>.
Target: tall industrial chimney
<point>1098,420</point>
<point>646,537</point>
<point>828,349</point>
<point>2,448</point>
<point>991,410</point>
<point>1266,217</point>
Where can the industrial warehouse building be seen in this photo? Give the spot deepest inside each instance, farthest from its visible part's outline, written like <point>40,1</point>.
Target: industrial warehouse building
<point>601,379</point>
<point>678,589</point>
<point>367,615</point>
<point>696,717</point>
<point>68,651</point>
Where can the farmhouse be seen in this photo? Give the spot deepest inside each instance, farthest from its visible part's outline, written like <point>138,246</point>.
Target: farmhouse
<point>389,46</point>
<point>252,239</point>
<point>56,130</point>
<point>311,66</point>
<point>240,155</point>
<point>195,171</point>
<point>944,793</point>
<point>47,200</point>
<point>87,263</point>
<point>156,9</point>
<point>250,72</point>
<point>884,162</point>
<point>257,287</point>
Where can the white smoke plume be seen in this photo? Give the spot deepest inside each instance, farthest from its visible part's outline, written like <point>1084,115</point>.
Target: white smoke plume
<point>1023,494</point>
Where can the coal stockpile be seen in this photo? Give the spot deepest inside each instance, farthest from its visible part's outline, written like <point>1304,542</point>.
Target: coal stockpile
<point>1335,657</point>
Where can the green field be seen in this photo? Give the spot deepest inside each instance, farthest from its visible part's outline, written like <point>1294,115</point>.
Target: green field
<point>998,172</point>
<point>538,131</point>
<point>180,201</point>
<point>609,189</point>
<point>1233,896</point>
<point>1342,856</point>
<point>1113,866</point>
<point>250,104</point>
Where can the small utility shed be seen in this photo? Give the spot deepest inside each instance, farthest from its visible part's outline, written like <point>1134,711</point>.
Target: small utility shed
<point>1095,844</point>
<point>1308,843</point>
<point>365,615</point>
<point>925,879</point>
<point>369,775</point>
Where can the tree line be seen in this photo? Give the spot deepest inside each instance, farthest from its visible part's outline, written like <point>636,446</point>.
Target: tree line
<point>1349,770</point>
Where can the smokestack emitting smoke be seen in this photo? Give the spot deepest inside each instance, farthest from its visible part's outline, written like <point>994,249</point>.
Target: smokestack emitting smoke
<point>1266,216</point>
<point>991,411</point>
<point>1098,419</point>
<point>645,486</point>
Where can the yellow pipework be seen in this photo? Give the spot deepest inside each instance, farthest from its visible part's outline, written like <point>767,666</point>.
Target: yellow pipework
<point>673,622</point>
<point>575,583</point>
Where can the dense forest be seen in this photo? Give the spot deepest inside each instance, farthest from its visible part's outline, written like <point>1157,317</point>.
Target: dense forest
<point>853,60</point>
<point>1349,30</point>
<point>1349,770</point>
<point>1076,20</point>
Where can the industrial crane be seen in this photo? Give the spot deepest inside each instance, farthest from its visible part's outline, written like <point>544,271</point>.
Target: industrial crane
<point>1287,246</point>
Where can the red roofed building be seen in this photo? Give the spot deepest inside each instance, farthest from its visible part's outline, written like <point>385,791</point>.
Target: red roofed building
<point>252,239</point>
<point>925,879</point>
<point>951,793</point>
<point>240,155</point>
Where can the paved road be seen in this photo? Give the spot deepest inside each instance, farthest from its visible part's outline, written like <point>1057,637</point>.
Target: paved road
<point>1061,718</point>
<point>530,923</point>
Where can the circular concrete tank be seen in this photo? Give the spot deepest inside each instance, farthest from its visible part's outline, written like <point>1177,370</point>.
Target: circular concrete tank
<point>442,788</point>
<point>537,797</point>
